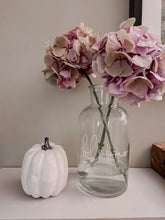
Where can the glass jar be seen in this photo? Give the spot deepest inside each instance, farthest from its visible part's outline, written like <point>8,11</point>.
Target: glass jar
<point>104,155</point>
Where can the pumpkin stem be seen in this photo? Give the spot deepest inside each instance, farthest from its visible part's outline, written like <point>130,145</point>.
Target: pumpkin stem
<point>46,145</point>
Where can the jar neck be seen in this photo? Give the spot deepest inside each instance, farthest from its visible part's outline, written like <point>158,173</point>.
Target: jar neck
<point>104,98</point>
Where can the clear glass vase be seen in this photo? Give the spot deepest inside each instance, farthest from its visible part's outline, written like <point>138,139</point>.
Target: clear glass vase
<point>104,155</point>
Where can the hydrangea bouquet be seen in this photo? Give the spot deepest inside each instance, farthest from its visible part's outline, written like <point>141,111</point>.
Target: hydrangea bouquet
<point>131,60</point>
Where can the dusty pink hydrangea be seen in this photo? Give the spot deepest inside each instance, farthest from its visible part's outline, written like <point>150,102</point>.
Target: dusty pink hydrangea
<point>133,63</point>
<point>70,54</point>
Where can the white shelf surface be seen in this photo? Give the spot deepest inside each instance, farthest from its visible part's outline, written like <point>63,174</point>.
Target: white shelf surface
<point>144,199</point>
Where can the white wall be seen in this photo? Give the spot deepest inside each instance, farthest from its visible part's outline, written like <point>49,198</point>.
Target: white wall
<point>151,15</point>
<point>30,109</point>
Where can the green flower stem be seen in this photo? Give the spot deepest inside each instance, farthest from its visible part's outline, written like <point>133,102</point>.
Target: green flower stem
<point>101,144</point>
<point>105,125</point>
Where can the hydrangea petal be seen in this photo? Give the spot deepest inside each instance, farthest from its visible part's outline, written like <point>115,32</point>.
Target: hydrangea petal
<point>132,99</point>
<point>126,69</point>
<point>115,69</point>
<point>139,86</point>
<point>83,30</point>
<point>48,59</point>
<point>72,84</point>
<point>100,43</point>
<point>143,43</point>
<point>75,74</point>
<point>161,65</point>
<point>155,66</point>
<point>100,64</point>
<point>92,39</point>
<point>59,52</point>
<point>61,41</point>
<point>128,23</point>
<point>109,59</point>
<point>72,56</point>
<point>113,89</point>
<point>120,54</point>
<point>142,61</point>
<point>125,40</point>
<point>143,28</point>
<point>157,76</point>
<point>94,75</point>
<point>65,73</point>
<point>77,47</point>
<point>112,43</point>
<point>95,67</point>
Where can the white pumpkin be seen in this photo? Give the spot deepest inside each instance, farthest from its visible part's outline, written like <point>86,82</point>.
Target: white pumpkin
<point>44,170</point>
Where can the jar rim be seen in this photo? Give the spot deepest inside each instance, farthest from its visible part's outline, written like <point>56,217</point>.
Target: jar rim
<point>96,86</point>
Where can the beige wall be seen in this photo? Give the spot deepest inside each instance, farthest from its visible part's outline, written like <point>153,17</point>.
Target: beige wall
<point>30,109</point>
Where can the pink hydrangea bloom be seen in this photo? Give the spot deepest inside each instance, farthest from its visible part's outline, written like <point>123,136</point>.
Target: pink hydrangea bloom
<point>132,62</point>
<point>68,77</point>
<point>71,53</point>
